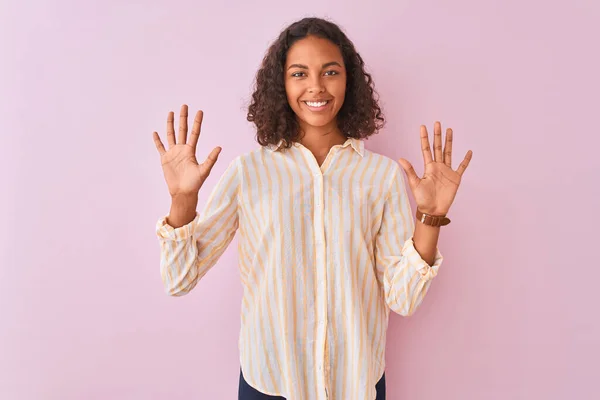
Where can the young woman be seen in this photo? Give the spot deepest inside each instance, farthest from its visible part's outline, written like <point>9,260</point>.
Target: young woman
<point>327,241</point>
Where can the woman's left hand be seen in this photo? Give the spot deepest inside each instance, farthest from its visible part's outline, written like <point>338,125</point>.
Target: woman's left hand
<point>435,192</point>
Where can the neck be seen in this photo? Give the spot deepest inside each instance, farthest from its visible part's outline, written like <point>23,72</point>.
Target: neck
<point>320,139</point>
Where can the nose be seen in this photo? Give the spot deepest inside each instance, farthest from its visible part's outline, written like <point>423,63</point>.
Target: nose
<point>316,85</point>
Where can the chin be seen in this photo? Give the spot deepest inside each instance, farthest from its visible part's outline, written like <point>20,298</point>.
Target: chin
<point>318,121</point>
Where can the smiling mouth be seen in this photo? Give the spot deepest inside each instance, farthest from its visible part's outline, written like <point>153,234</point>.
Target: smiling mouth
<point>317,105</point>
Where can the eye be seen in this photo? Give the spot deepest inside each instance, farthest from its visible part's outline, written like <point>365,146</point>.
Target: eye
<point>295,74</point>
<point>333,72</point>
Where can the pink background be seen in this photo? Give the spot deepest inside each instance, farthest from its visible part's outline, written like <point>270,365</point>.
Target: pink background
<point>513,313</point>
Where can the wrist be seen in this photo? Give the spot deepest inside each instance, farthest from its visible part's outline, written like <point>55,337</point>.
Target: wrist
<point>183,210</point>
<point>184,198</point>
<point>433,212</point>
<point>431,219</point>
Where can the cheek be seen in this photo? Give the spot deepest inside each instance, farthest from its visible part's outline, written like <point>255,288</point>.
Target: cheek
<point>339,91</point>
<point>292,94</point>
<point>337,86</point>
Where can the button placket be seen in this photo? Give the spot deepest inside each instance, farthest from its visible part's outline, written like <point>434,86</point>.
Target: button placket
<point>319,234</point>
<point>321,266</point>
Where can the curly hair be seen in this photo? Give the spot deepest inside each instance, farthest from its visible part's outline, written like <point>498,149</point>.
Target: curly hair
<point>360,115</point>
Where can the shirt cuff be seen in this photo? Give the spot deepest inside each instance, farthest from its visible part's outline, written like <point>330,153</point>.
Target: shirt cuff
<point>167,232</point>
<point>426,271</point>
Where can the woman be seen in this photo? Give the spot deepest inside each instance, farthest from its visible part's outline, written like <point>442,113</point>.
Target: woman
<point>327,241</point>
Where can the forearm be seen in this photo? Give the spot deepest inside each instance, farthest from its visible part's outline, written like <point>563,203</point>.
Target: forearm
<point>183,210</point>
<point>407,279</point>
<point>409,266</point>
<point>179,267</point>
<point>426,239</point>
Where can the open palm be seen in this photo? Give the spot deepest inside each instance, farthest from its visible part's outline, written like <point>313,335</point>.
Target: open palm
<point>183,174</point>
<point>435,192</point>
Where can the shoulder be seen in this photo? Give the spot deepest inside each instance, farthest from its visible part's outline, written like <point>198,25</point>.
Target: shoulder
<point>381,161</point>
<point>254,153</point>
<point>388,170</point>
<point>253,160</point>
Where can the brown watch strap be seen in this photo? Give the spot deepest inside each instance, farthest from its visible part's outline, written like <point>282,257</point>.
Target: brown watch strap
<point>433,220</point>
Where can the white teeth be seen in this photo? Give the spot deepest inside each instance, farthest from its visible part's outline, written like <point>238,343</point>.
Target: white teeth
<point>314,104</point>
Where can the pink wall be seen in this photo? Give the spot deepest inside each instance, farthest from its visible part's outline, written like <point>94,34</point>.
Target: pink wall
<point>513,314</point>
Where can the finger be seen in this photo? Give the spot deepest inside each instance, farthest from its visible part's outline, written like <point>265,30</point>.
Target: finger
<point>170,129</point>
<point>159,146</point>
<point>196,129</point>
<point>211,159</point>
<point>448,148</point>
<point>463,165</point>
<point>425,147</point>
<point>413,179</point>
<point>183,128</point>
<point>437,142</point>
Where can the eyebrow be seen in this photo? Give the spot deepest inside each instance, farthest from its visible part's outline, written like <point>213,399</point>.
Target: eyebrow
<point>323,66</point>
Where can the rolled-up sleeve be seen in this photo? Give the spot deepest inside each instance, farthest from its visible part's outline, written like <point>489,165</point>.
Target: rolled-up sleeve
<point>406,276</point>
<point>187,253</point>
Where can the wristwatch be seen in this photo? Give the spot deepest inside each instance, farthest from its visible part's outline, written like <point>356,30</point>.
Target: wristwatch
<point>433,220</point>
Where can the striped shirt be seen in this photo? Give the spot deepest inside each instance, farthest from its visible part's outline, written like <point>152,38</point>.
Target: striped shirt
<point>325,252</point>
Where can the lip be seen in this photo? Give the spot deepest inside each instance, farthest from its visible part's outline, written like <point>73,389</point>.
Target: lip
<point>317,108</point>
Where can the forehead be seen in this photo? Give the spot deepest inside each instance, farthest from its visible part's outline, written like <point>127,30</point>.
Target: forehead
<point>313,50</point>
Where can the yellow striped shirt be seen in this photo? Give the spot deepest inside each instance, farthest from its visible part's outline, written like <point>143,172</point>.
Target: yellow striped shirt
<point>324,253</point>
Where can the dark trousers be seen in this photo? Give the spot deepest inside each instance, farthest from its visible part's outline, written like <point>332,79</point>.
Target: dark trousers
<point>247,392</point>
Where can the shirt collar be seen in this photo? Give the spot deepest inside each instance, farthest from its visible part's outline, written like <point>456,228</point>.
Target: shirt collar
<point>357,144</point>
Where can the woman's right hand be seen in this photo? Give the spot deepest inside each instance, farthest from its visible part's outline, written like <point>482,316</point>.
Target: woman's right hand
<point>182,172</point>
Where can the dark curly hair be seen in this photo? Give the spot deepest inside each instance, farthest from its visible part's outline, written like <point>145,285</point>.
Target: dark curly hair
<point>360,115</point>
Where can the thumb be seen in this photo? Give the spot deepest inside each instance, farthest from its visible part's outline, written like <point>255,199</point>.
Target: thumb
<point>211,159</point>
<point>413,179</point>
